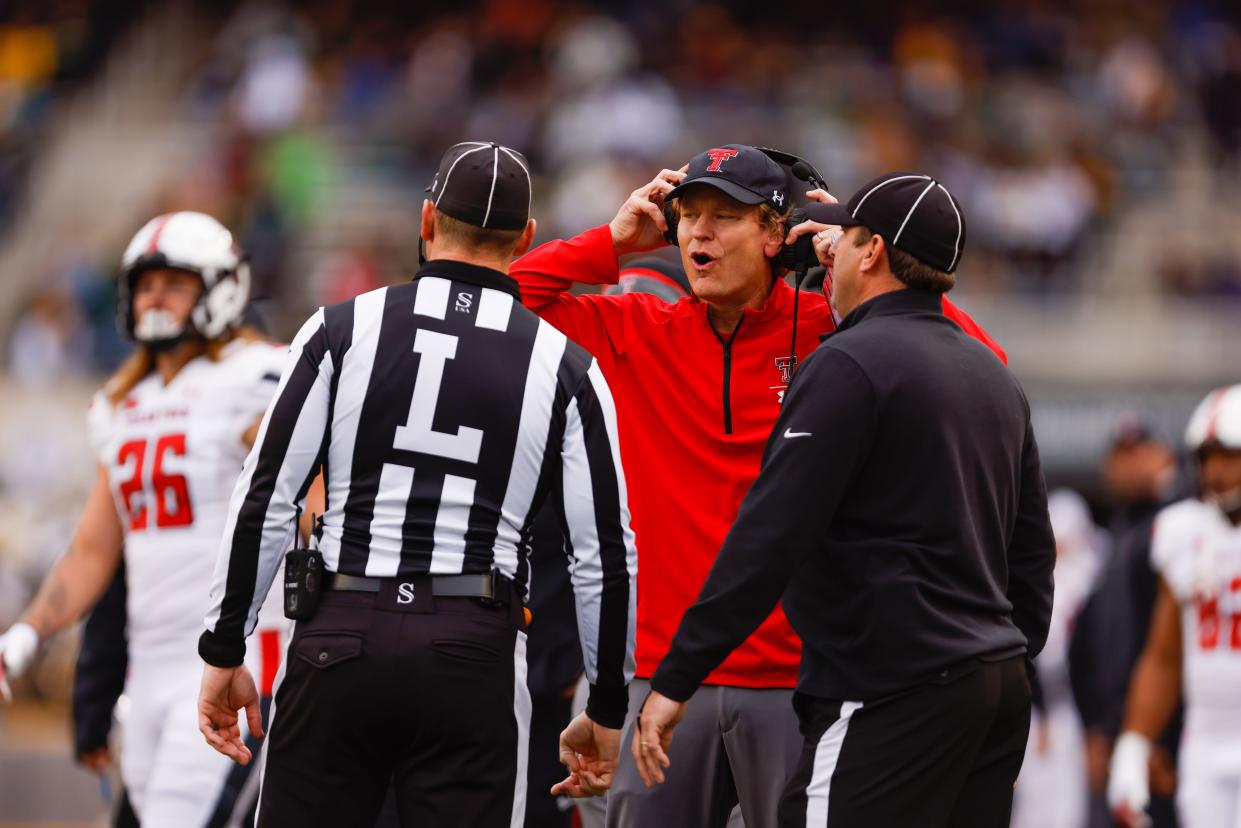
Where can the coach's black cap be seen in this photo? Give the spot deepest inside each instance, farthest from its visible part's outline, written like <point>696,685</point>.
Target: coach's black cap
<point>909,210</point>
<point>741,171</point>
<point>483,184</point>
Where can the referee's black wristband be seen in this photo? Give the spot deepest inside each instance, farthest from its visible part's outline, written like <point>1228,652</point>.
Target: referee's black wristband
<point>608,704</point>
<point>221,651</point>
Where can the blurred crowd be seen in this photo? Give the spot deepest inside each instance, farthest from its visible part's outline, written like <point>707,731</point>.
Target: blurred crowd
<point>1047,119</point>
<point>47,51</point>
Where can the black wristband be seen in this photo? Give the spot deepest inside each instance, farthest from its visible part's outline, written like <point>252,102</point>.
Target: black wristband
<point>220,651</point>
<point>608,704</point>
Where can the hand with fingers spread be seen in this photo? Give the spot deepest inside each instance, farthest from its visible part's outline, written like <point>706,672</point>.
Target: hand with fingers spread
<point>590,752</point>
<point>225,690</point>
<point>653,736</point>
<point>639,225</point>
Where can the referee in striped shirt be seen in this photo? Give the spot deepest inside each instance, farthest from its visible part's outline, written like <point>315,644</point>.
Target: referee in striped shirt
<point>442,414</point>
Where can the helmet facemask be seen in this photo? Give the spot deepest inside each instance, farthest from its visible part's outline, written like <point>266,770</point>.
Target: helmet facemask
<point>198,244</point>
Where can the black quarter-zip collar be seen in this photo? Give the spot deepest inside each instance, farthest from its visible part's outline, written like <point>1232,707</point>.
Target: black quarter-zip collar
<point>728,370</point>
<point>474,274</point>
<point>897,303</point>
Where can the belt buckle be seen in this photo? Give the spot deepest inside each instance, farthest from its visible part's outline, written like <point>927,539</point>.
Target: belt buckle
<point>494,599</point>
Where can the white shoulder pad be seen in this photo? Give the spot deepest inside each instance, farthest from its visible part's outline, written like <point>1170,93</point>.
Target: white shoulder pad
<point>1177,531</point>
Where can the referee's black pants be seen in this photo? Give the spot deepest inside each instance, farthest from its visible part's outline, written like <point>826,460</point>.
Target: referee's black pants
<point>944,753</point>
<point>432,701</point>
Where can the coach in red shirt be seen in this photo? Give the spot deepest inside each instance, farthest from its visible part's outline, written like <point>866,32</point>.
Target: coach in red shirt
<point>698,386</point>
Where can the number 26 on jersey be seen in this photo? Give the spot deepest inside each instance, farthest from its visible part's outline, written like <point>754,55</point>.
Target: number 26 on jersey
<point>144,481</point>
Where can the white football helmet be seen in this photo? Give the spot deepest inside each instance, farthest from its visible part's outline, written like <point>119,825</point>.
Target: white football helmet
<point>1216,422</point>
<point>1217,419</point>
<point>199,244</point>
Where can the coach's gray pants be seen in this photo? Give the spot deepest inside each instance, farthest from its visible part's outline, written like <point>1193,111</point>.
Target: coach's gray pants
<point>735,747</point>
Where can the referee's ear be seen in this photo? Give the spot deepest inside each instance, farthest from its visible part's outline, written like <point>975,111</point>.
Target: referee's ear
<point>526,239</point>
<point>427,226</point>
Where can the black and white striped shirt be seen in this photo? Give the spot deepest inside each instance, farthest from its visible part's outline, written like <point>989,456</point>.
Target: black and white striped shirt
<point>442,413</point>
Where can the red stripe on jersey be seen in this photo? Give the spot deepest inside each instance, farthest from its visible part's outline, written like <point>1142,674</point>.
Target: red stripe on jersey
<point>269,659</point>
<point>159,228</point>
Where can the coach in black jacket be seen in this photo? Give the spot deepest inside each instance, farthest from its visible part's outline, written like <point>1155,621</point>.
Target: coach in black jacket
<point>902,515</point>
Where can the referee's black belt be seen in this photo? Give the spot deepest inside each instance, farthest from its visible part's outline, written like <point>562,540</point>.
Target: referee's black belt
<point>487,586</point>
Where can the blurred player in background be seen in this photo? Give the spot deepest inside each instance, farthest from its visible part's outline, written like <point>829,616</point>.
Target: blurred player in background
<point>1051,791</point>
<point>1195,638</point>
<point>1139,471</point>
<point>170,431</point>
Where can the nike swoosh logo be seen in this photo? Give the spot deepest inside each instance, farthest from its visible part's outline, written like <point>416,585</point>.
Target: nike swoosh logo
<point>789,433</point>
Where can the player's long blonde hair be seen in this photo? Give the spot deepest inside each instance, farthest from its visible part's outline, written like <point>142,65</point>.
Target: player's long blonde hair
<point>142,362</point>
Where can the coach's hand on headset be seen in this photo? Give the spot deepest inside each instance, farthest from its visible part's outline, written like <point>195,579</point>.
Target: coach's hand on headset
<point>825,237</point>
<point>639,225</point>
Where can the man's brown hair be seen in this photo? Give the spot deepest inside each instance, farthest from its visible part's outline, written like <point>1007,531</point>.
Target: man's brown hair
<point>142,361</point>
<point>460,234</point>
<point>909,270</point>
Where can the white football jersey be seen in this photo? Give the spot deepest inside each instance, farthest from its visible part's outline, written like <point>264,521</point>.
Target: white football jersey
<point>172,454</point>
<point>1198,553</point>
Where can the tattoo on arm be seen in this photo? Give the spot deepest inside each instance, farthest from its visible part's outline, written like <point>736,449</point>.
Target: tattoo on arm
<point>47,611</point>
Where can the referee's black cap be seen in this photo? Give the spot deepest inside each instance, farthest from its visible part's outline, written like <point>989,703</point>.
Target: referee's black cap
<point>484,184</point>
<point>911,211</point>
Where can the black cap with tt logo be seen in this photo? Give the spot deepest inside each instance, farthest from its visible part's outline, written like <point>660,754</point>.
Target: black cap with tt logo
<point>483,184</point>
<point>743,172</point>
<point>909,210</point>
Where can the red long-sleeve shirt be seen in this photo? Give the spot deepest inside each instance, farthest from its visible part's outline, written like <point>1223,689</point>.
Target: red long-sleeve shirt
<point>694,412</point>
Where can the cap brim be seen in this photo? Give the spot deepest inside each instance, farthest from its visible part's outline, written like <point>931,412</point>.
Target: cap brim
<point>837,214</point>
<point>734,191</point>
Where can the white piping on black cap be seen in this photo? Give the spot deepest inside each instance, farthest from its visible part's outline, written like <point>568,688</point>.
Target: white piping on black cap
<point>917,201</point>
<point>956,245</point>
<point>529,183</point>
<point>883,184</point>
<point>455,162</point>
<point>495,173</point>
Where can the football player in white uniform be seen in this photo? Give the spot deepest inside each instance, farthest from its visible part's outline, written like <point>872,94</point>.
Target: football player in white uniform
<point>170,432</point>
<point>1195,638</point>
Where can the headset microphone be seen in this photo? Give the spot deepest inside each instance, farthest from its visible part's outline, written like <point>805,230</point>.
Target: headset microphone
<point>805,172</point>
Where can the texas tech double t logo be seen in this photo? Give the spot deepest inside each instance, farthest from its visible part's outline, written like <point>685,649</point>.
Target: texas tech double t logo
<point>718,157</point>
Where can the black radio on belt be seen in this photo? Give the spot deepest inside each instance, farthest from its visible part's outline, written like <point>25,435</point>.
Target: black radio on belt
<point>303,579</point>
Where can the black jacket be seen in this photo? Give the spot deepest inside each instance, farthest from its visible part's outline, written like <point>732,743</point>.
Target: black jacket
<point>900,511</point>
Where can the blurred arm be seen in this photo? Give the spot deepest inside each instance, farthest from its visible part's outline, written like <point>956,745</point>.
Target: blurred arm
<point>1156,687</point>
<point>81,575</point>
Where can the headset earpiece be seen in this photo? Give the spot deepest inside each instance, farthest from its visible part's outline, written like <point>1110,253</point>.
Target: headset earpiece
<point>798,256</point>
